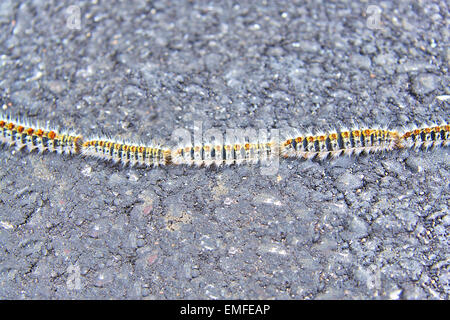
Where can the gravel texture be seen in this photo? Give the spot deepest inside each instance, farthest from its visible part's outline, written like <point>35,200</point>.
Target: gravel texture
<point>356,228</point>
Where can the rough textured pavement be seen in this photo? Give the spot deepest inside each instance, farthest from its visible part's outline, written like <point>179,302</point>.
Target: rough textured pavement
<point>369,227</point>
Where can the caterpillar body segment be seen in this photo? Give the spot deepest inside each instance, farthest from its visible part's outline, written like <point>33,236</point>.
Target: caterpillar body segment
<point>251,152</point>
<point>126,153</point>
<point>240,155</point>
<point>198,154</point>
<point>22,135</point>
<point>228,153</point>
<point>209,154</point>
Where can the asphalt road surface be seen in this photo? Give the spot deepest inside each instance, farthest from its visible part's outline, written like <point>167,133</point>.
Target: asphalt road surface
<point>369,227</point>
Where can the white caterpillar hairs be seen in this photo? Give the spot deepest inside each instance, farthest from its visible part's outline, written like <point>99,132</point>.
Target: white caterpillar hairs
<point>242,149</point>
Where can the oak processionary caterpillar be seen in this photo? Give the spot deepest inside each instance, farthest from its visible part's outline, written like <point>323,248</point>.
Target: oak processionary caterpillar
<point>345,141</point>
<point>240,147</point>
<point>228,154</point>
<point>426,137</point>
<point>241,150</point>
<point>21,134</point>
<point>126,152</point>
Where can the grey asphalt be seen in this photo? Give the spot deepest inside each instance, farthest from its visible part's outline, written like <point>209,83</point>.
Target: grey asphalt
<point>372,227</point>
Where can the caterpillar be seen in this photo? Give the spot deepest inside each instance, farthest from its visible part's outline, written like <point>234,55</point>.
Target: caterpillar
<point>364,140</point>
<point>335,143</point>
<point>23,135</point>
<point>226,154</point>
<point>426,137</point>
<point>242,148</point>
<point>126,152</point>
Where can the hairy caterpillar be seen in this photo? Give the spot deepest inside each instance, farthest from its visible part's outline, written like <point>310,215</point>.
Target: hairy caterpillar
<point>23,135</point>
<point>426,137</point>
<point>365,140</point>
<point>335,143</point>
<point>228,154</point>
<point>240,147</point>
<point>126,153</point>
